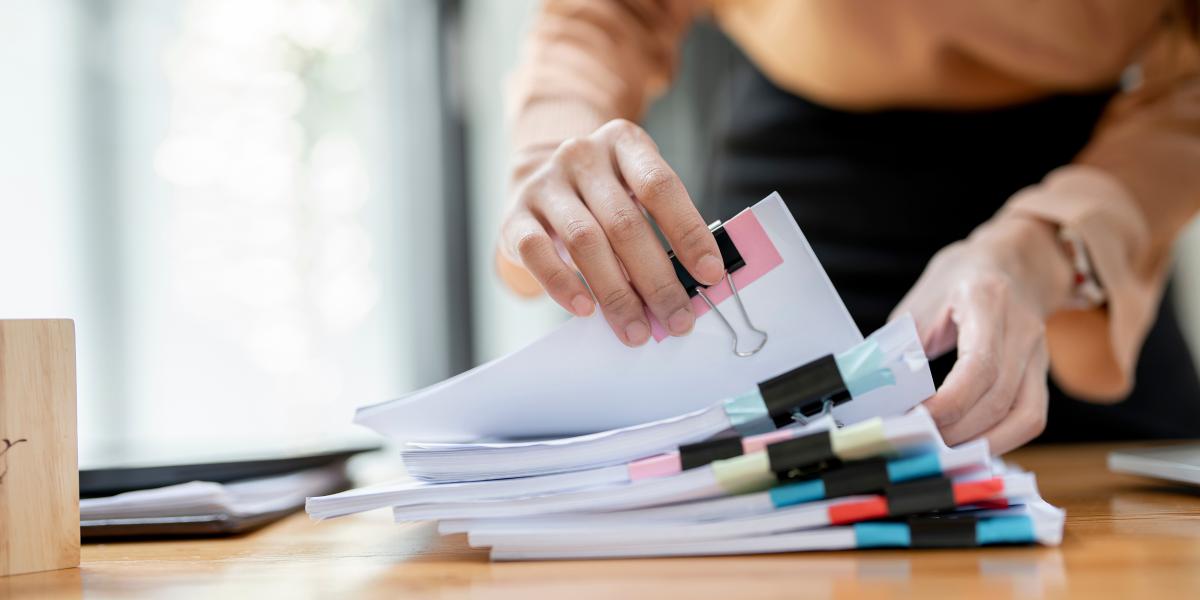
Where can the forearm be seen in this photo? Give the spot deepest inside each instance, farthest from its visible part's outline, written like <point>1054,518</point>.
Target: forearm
<point>1127,197</point>
<point>584,63</point>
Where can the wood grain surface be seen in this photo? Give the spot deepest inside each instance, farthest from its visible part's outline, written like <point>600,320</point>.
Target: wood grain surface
<point>39,482</point>
<point>1125,538</point>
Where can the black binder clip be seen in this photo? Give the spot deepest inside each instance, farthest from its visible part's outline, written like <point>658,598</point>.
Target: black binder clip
<point>733,261</point>
<point>952,530</point>
<point>805,393</point>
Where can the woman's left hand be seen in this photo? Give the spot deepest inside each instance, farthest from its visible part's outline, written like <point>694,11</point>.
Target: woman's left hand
<point>989,296</point>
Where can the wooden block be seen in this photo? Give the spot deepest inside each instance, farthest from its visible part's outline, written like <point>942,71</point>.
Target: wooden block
<point>39,468</point>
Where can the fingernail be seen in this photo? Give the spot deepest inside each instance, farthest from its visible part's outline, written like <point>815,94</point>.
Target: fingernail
<point>636,333</point>
<point>583,305</point>
<point>710,269</point>
<point>680,321</point>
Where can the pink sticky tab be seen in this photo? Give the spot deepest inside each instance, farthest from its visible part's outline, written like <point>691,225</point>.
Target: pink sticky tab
<point>756,443</point>
<point>757,251</point>
<point>655,466</point>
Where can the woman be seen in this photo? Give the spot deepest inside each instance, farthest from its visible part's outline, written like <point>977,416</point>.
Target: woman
<point>1011,174</point>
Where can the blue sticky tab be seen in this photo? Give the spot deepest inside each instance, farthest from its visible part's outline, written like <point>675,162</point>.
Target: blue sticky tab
<point>882,535</point>
<point>797,493</point>
<point>914,467</point>
<point>748,413</point>
<point>1016,529</point>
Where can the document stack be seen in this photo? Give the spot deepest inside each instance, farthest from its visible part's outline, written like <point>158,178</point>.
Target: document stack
<point>813,439</point>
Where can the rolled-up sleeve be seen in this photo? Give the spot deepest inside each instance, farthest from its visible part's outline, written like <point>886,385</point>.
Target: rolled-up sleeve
<point>586,62</point>
<point>1127,196</point>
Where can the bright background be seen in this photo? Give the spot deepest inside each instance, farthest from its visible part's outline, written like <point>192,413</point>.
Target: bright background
<point>277,210</point>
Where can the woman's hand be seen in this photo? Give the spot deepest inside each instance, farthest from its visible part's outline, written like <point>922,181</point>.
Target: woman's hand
<point>588,196</point>
<point>989,295</point>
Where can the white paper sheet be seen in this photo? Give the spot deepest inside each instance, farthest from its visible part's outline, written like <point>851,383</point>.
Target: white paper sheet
<point>581,379</point>
<point>1047,523</point>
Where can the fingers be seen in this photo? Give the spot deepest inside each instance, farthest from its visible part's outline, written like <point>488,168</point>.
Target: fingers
<point>635,243</point>
<point>589,248</point>
<point>532,246</point>
<point>977,309</point>
<point>926,303</point>
<point>580,198</point>
<point>997,387</point>
<point>658,188</point>
<point>935,327</point>
<point>994,406</point>
<point>1027,419</point>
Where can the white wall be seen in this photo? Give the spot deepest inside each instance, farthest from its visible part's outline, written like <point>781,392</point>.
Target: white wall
<point>255,250</point>
<point>42,271</point>
<point>217,294</point>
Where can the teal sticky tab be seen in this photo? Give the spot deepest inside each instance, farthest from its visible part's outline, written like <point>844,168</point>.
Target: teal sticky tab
<point>868,381</point>
<point>748,413</point>
<point>882,535</point>
<point>863,356</point>
<point>914,467</point>
<point>1015,529</point>
<point>797,493</point>
<point>862,368</point>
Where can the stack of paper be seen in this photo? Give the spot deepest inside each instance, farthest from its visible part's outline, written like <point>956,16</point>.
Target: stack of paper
<point>683,447</point>
<point>745,424</point>
<point>822,488</point>
<point>892,353</point>
<point>1035,522</point>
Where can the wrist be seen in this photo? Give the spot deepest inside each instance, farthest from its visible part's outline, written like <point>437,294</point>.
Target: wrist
<point>1029,250</point>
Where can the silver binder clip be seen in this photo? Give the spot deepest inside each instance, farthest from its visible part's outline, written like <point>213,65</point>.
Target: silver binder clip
<point>826,409</point>
<point>733,261</point>
<point>745,315</point>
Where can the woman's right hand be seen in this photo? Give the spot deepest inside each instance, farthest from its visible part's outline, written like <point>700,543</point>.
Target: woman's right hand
<point>588,196</point>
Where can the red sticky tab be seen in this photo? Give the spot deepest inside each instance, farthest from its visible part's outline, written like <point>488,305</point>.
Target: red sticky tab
<point>863,510</point>
<point>993,504</point>
<point>977,491</point>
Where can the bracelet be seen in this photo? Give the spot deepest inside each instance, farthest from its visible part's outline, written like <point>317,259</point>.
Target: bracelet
<point>1087,291</point>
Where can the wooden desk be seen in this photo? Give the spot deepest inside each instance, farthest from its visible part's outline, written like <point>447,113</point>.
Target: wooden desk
<point>1125,538</point>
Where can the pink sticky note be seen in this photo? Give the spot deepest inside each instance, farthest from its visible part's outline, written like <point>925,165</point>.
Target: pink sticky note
<point>758,443</point>
<point>756,249</point>
<point>671,463</point>
<point>655,466</point>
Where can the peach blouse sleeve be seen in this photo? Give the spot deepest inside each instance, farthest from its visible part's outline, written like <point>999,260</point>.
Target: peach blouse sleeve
<point>586,62</point>
<point>1128,195</point>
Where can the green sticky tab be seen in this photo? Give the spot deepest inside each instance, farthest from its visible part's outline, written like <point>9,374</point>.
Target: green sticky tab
<point>744,474</point>
<point>861,440</point>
